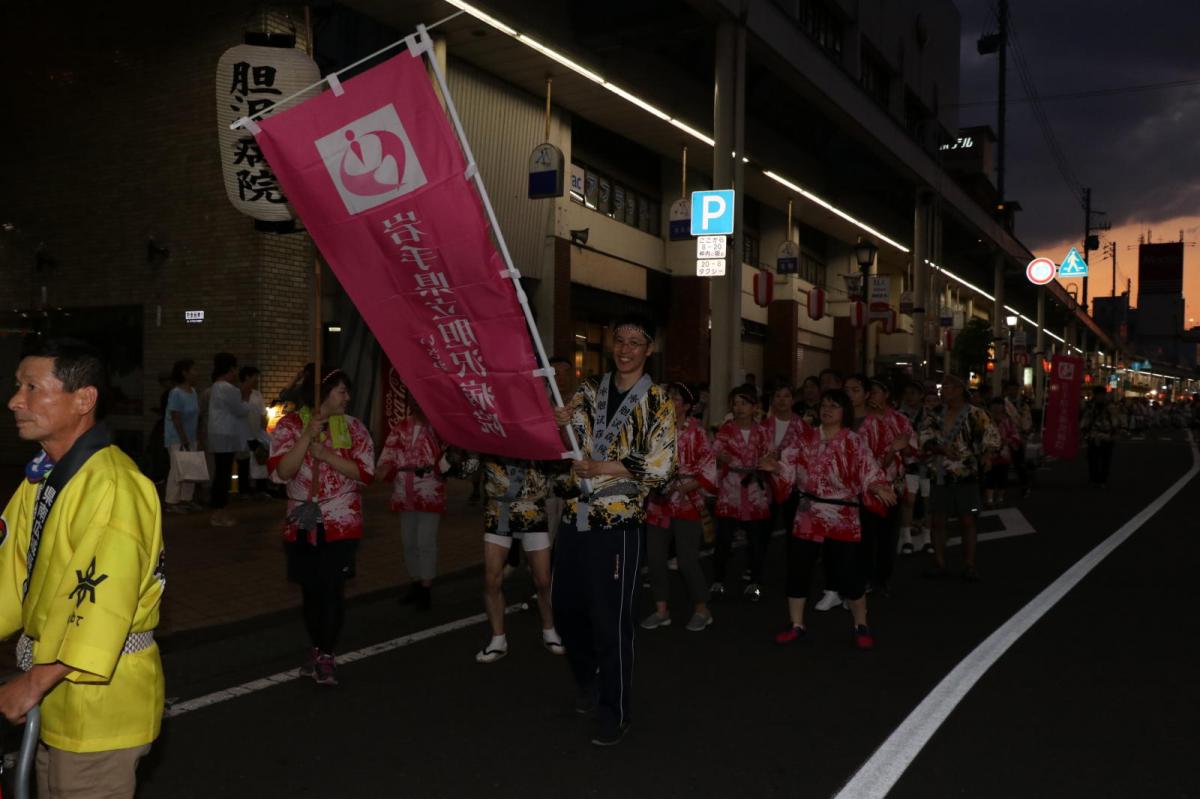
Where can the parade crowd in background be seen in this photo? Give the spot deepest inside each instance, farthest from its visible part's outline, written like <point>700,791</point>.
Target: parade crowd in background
<point>853,471</point>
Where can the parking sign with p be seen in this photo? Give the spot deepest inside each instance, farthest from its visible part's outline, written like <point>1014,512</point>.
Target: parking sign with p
<point>712,213</point>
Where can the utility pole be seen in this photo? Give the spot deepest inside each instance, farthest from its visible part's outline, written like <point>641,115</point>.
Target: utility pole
<point>1112,253</point>
<point>1002,102</point>
<point>998,43</point>
<point>1090,242</point>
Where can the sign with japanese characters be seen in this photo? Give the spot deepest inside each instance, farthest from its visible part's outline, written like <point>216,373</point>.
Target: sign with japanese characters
<point>711,246</point>
<point>251,79</point>
<point>880,295</point>
<point>379,178</point>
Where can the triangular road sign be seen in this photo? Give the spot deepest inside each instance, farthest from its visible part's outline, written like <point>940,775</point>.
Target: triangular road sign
<point>1073,265</point>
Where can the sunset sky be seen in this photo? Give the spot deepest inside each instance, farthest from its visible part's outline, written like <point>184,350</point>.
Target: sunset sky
<point>1138,150</point>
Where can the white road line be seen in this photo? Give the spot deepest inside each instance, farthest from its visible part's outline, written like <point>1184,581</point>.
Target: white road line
<point>187,706</point>
<point>889,762</point>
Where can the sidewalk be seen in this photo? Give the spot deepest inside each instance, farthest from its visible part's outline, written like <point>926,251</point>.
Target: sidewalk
<point>220,575</point>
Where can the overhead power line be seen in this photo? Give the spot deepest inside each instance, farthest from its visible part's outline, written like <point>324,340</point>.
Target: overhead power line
<point>1039,113</point>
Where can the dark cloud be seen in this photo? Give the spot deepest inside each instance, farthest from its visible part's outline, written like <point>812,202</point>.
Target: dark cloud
<point>1139,152</point>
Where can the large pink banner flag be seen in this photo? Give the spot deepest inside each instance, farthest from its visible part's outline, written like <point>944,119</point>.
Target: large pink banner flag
<point>379,178</point>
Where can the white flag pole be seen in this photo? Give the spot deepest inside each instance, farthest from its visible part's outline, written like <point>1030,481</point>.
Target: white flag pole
<point>419,44</point>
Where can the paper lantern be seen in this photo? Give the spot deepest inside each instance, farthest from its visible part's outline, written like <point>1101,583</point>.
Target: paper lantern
<point>764,288</point>
<point>858,313</point>
<point>250,79</point>
<point>816,303</point>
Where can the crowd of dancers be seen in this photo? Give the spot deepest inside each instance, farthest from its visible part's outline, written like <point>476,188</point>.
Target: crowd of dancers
<point>853,470</point>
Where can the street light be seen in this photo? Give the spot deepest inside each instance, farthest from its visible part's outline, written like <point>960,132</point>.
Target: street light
<point>1011,323</point>
<point>864,253</point>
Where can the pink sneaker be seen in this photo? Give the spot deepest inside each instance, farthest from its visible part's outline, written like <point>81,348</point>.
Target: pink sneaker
<point>326,673</point>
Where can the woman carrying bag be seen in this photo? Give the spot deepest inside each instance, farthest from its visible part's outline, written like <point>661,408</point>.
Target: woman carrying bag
<point>188,466</point>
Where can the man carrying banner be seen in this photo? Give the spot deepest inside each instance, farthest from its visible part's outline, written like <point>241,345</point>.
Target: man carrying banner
<point>625,426</point>
<point>88,606</point>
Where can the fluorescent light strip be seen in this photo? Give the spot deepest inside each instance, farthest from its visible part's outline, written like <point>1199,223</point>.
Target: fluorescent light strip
<point>978,290</point>
<point>482,17</point>
<point>839,212</point>
<point>558,57</point>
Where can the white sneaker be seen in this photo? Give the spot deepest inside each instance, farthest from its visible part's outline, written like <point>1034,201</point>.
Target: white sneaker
<point>490,655</point>
<point>673,564</point>
<point>829,601</point>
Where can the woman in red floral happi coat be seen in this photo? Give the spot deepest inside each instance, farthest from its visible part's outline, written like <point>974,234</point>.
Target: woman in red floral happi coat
<point>677,513</point>
<point>835,473</point>
<point>412,459</point>
<point>743,495</point>
<point>325,458</point>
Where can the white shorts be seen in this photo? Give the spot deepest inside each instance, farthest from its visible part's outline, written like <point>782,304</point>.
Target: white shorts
<point>915,483</point>
<point>531,542</point>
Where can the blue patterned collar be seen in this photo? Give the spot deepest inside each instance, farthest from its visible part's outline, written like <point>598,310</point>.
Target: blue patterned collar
<point>37,469</point>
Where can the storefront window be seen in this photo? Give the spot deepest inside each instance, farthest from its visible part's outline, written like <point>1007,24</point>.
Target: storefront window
<point>599,192</point>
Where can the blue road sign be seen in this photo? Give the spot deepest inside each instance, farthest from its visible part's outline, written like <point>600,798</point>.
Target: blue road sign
<point>712,213</point>
<point>1073,265</point>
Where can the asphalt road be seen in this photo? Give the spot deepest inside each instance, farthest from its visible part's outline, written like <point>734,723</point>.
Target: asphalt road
<point>1097,700</point>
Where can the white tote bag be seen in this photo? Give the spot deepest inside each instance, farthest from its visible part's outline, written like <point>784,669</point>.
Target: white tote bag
<point>192,466</point>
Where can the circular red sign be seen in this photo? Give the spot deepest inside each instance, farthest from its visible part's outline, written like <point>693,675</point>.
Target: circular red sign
<point>1041,271</point>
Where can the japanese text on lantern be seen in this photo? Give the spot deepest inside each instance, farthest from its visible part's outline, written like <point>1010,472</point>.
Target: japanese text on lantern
<point>251,91</point>
<point>453,347</point>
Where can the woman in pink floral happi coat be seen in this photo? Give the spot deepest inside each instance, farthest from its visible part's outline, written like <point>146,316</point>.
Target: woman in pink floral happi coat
<point>412,459</point>
<point>743,495</point>
<point>835,473</point>
<point>325,458</point>
<point>676,513</point>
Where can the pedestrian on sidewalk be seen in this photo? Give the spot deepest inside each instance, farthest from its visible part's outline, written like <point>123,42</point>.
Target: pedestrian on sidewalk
<point>252,459</point>
<point>1100,423</point>
<point>413,461</point>
<point>514,511</point>
<point>325,457</point>
<point>625,426</point>
<point>835,473</point>
<point>87,608</point>
<point>674,514</point>
<point>227,409</point>
<point>962,442</point>
<point>179,433</point>
<point>743,498</point>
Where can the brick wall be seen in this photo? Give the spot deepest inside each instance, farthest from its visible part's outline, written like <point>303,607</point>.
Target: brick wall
<point>113,142</point>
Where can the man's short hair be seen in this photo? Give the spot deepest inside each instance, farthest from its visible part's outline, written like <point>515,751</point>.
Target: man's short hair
<point>77,365</point>
<point>222,363</point>
<point>833,373</point>
<point>640,321</point>
<point>247,372</point>
<point>560,359</point>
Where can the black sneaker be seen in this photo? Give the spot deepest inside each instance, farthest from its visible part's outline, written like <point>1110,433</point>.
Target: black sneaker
<point>610,736</point>
<point>424,599</point>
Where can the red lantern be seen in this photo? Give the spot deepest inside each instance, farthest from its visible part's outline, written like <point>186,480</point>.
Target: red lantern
<point>816,303</point>
<point>764,288</point>
<point>858,313</point>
